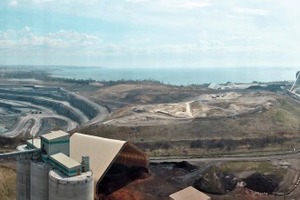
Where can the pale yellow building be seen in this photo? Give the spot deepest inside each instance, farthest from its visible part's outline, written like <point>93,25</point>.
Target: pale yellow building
<point>104,152</point>
<point>189,193</point>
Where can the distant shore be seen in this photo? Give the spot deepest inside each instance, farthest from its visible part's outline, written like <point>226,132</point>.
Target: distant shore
<point>176,76</point>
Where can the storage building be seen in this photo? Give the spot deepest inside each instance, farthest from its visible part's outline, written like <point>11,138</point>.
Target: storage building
<point>104,152</point>
<point>55,142</point>
<point>65,164</point>
<point>189,193</point>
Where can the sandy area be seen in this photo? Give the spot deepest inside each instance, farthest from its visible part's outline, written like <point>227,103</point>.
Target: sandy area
<point>204,106</point>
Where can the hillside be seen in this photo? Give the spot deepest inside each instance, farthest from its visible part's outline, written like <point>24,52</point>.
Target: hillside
<point>272,125</point>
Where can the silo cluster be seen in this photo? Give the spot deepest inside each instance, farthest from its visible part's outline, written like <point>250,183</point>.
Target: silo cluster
<point>52,174</point>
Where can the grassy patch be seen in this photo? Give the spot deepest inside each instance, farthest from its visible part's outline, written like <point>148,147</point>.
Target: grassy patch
<point>279,116</point>
<point>260,167</point>
<point>7,183</point>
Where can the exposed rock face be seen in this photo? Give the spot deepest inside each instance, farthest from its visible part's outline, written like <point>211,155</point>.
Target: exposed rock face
<point>216,183</point>
<point>262,183</point>
<point>42,106</point>
<point>54,98</point>
<point>59,107</point>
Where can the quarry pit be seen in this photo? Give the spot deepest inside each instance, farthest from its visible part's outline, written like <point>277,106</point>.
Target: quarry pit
<point>32,110</point>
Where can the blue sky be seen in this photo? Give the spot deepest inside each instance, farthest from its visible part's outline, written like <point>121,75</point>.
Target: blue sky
<point>150,33</point>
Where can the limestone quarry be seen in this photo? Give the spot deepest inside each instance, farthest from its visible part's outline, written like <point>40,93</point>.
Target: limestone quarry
<point>31,110</point>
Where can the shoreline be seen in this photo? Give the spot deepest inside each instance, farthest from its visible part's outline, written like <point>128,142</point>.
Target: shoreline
<point>166,76</point>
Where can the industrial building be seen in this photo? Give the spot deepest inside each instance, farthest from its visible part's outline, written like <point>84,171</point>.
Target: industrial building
<point>59,167</point>
<point>51,174</point>
<point>106,154</point>
<point>189,193</point>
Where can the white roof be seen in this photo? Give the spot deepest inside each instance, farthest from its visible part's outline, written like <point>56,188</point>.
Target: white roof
<point>36,142</point>
<point>102,152</point>
<point>54,135</point>
<point>189,193</point>
<point>64,160</point>
<point>214,86</point>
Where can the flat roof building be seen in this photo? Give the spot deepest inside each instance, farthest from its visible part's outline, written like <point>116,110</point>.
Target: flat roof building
<point>189,193</point>
<point>65,164</point>
<point>55,142</point>
<point>55,135</point>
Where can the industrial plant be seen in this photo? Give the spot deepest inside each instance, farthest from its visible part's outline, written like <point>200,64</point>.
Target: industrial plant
<point>58,166</point>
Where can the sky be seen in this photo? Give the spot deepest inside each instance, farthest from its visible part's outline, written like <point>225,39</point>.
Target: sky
<point>150,33</point>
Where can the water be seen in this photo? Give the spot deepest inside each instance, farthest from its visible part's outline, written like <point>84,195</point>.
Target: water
<point>179,76</point>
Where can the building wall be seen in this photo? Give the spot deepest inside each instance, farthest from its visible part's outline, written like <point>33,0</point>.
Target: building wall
<point>61,146</point>
<point>74,188</point>
<point>57,146</point>
<point>39,180</point>
<point>69,171</point>
<point>23,179</point>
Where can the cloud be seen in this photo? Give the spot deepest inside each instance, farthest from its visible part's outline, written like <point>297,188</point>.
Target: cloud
<point>13,2</point>
<point>136,1</point>
<point>192,4</point>
<point>27,28</point>
<point>155,29</point>
<point>60,40</point>
<point>250,11</point>
<point>41,1</point>
<point>61,2</point>
<point>185,4</point>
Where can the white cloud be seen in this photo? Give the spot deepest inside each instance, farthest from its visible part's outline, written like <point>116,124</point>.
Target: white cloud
<point>190,4</point>
<point>136,1</point>
<point>27,29</point>
<point>250,11</point>
<point>133,28</point>
<point>60,40</point>
<point>184,4</point>
<point>13,2</point>
<point>41,1</point>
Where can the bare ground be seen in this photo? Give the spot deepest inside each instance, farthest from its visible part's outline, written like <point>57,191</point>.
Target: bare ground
<point>7,180</point>
<point>166,179</point>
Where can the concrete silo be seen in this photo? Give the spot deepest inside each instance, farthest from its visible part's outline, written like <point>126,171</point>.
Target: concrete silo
<point>39,180</point>
<point>23,175</point>
<point>63,187</point>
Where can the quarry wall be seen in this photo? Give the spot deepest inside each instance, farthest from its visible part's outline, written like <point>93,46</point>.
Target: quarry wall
<point>55,99</point>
